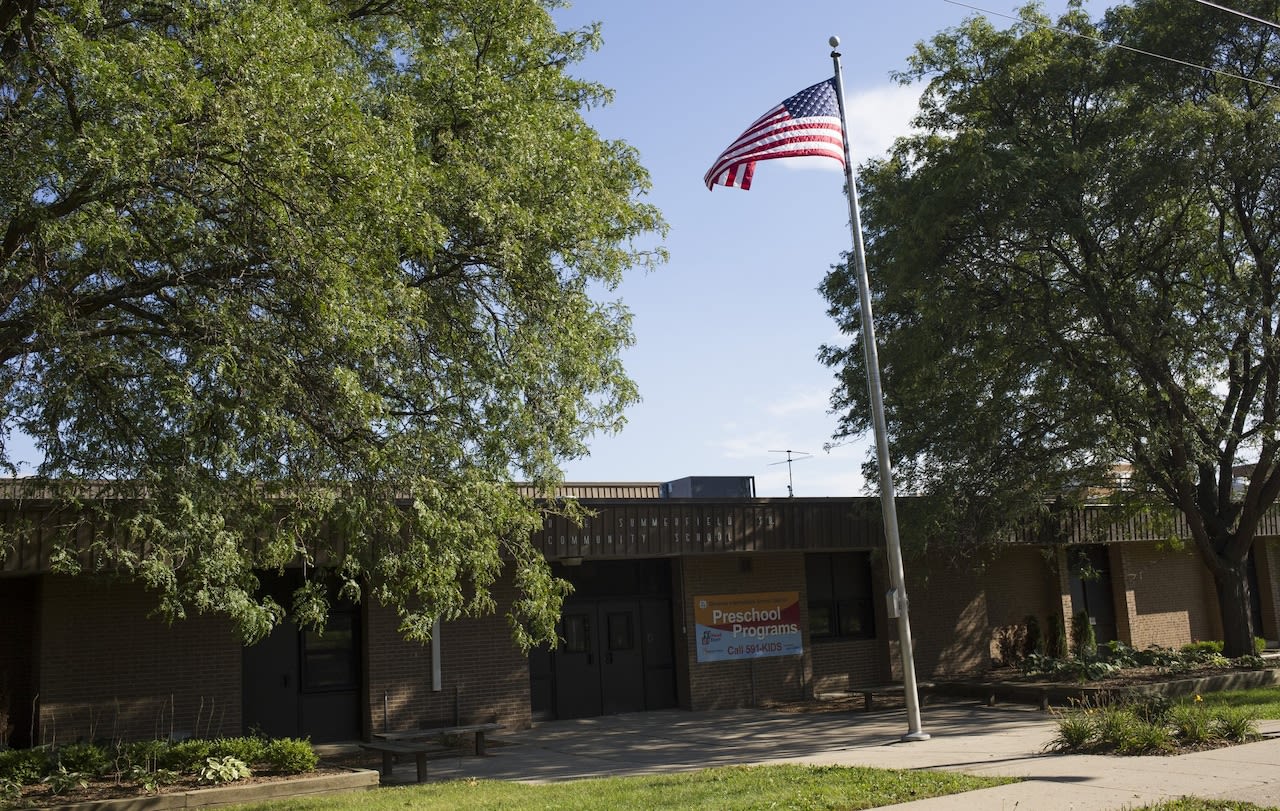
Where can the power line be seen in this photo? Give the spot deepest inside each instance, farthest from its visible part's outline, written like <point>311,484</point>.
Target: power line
<point>1122,46</point>
<point>1239,14</point>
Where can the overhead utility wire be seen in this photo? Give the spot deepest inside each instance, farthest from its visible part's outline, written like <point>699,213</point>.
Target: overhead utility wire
<point>1239,14</point>
<point>1122,47</point>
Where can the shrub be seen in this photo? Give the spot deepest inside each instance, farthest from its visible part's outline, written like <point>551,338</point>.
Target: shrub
<point>141,754</point>
<point>186,757</point>
<point>23,766</point>
<point>1201,651</point>
<point>219,770</point>
<point>249,750</point>
<point>1084,643</point>
<point>1153,708</point>
<point>1259,645</point>
<point>1254,661</point>
<point>1009,642</point>
<point>290,756</point>
<point>1033,642</point>
<point>88,758</point>
<point>1056,640</point>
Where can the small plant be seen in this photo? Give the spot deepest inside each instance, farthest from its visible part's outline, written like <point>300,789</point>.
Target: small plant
<point>290,756</point>
<point>1076,731</point>
<point>62,781</point>
<point>1193,724</point>
<point>219,770</point>
<point>1115,728</point>
<point>1259,645</point>
<point>1119,654</point>
<point>1146,738</point>
<point>10,790</point>
<point>152,781</point>
<point>1236,724</point>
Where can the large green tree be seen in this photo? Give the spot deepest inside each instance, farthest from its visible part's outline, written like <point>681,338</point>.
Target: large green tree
<point>309,279</point>
<point>1074,266</point>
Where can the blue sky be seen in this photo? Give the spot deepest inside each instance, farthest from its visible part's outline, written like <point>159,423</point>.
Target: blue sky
<point>728,331</point>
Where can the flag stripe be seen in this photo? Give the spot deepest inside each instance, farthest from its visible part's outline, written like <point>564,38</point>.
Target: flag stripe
<point>806,124</point>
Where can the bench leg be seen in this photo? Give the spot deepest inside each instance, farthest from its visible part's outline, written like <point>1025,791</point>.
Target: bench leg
<point>421,758</point>
<point>480,743</point>
<point>388,761</point>
<point>866,700</point>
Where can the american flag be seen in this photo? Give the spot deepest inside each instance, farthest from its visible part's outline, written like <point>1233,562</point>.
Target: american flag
<point>807,123</point>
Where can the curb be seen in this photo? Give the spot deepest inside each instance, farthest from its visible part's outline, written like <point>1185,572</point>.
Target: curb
<point>1046,694</point>
<point>353,780</point>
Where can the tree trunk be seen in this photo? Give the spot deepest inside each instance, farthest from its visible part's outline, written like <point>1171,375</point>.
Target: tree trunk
<point>1232,580</point>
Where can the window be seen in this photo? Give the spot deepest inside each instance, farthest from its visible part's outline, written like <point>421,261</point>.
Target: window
<point>840,600</point>
<point>331,661</point>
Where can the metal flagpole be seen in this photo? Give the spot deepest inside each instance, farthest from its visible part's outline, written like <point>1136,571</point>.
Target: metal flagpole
<point>898,595</point>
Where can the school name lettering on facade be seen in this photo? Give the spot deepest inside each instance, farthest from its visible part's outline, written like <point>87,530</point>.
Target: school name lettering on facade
<point>689,529</point>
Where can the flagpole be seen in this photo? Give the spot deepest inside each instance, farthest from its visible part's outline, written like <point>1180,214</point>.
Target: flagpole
<point>898,596</point>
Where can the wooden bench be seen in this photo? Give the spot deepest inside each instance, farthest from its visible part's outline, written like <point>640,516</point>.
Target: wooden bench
<point>435,733</point>
<point>390,749</point>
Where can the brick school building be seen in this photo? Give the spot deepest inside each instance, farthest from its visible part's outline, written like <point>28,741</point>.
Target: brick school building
<point>692,593</point>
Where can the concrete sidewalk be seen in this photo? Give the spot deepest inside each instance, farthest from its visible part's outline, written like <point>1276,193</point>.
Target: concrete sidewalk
<point>966,737</point>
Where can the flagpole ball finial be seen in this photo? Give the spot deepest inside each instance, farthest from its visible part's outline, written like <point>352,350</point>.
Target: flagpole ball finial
<point>834,42</point>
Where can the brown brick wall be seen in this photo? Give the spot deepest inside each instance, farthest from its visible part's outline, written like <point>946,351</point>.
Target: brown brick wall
<point>1020,582</point>
<point>109,671</point>
<point>485,677</point>
<point>950,631</point>
<point>1168,595</point>
<point>722,685</point>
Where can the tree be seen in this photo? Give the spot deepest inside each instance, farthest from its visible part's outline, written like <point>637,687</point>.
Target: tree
<point>310,278</point>
<point>1074,263</point>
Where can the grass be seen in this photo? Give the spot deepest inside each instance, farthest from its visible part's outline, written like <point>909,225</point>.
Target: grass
<point>1261,702</point>
<point>729,788</point>
<point>1196,804</point>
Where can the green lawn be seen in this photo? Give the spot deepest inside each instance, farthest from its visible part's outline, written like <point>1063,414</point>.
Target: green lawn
<point>1261,702</point>
<point>730,788</point>
<point>1195,804</point>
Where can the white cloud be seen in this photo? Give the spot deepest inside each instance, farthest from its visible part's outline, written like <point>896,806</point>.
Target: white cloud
<point>876,117</point>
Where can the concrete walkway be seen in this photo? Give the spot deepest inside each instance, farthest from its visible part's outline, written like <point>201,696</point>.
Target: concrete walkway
<point>966,737</point>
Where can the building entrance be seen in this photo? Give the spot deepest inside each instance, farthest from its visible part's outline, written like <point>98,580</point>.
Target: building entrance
<point>615,653</point>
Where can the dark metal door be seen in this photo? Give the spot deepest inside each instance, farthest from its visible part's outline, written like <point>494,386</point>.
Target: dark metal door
<point>1091,590</point>
<point>622,669</point>
<point>271,684</point>
<point>305,683</point>
<point>577,664</point>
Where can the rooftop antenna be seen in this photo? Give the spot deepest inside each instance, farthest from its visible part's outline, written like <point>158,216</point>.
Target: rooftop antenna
<point>804,455</point>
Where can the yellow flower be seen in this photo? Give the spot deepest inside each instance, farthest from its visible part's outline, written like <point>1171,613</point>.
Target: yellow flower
<point>1198,698</point>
